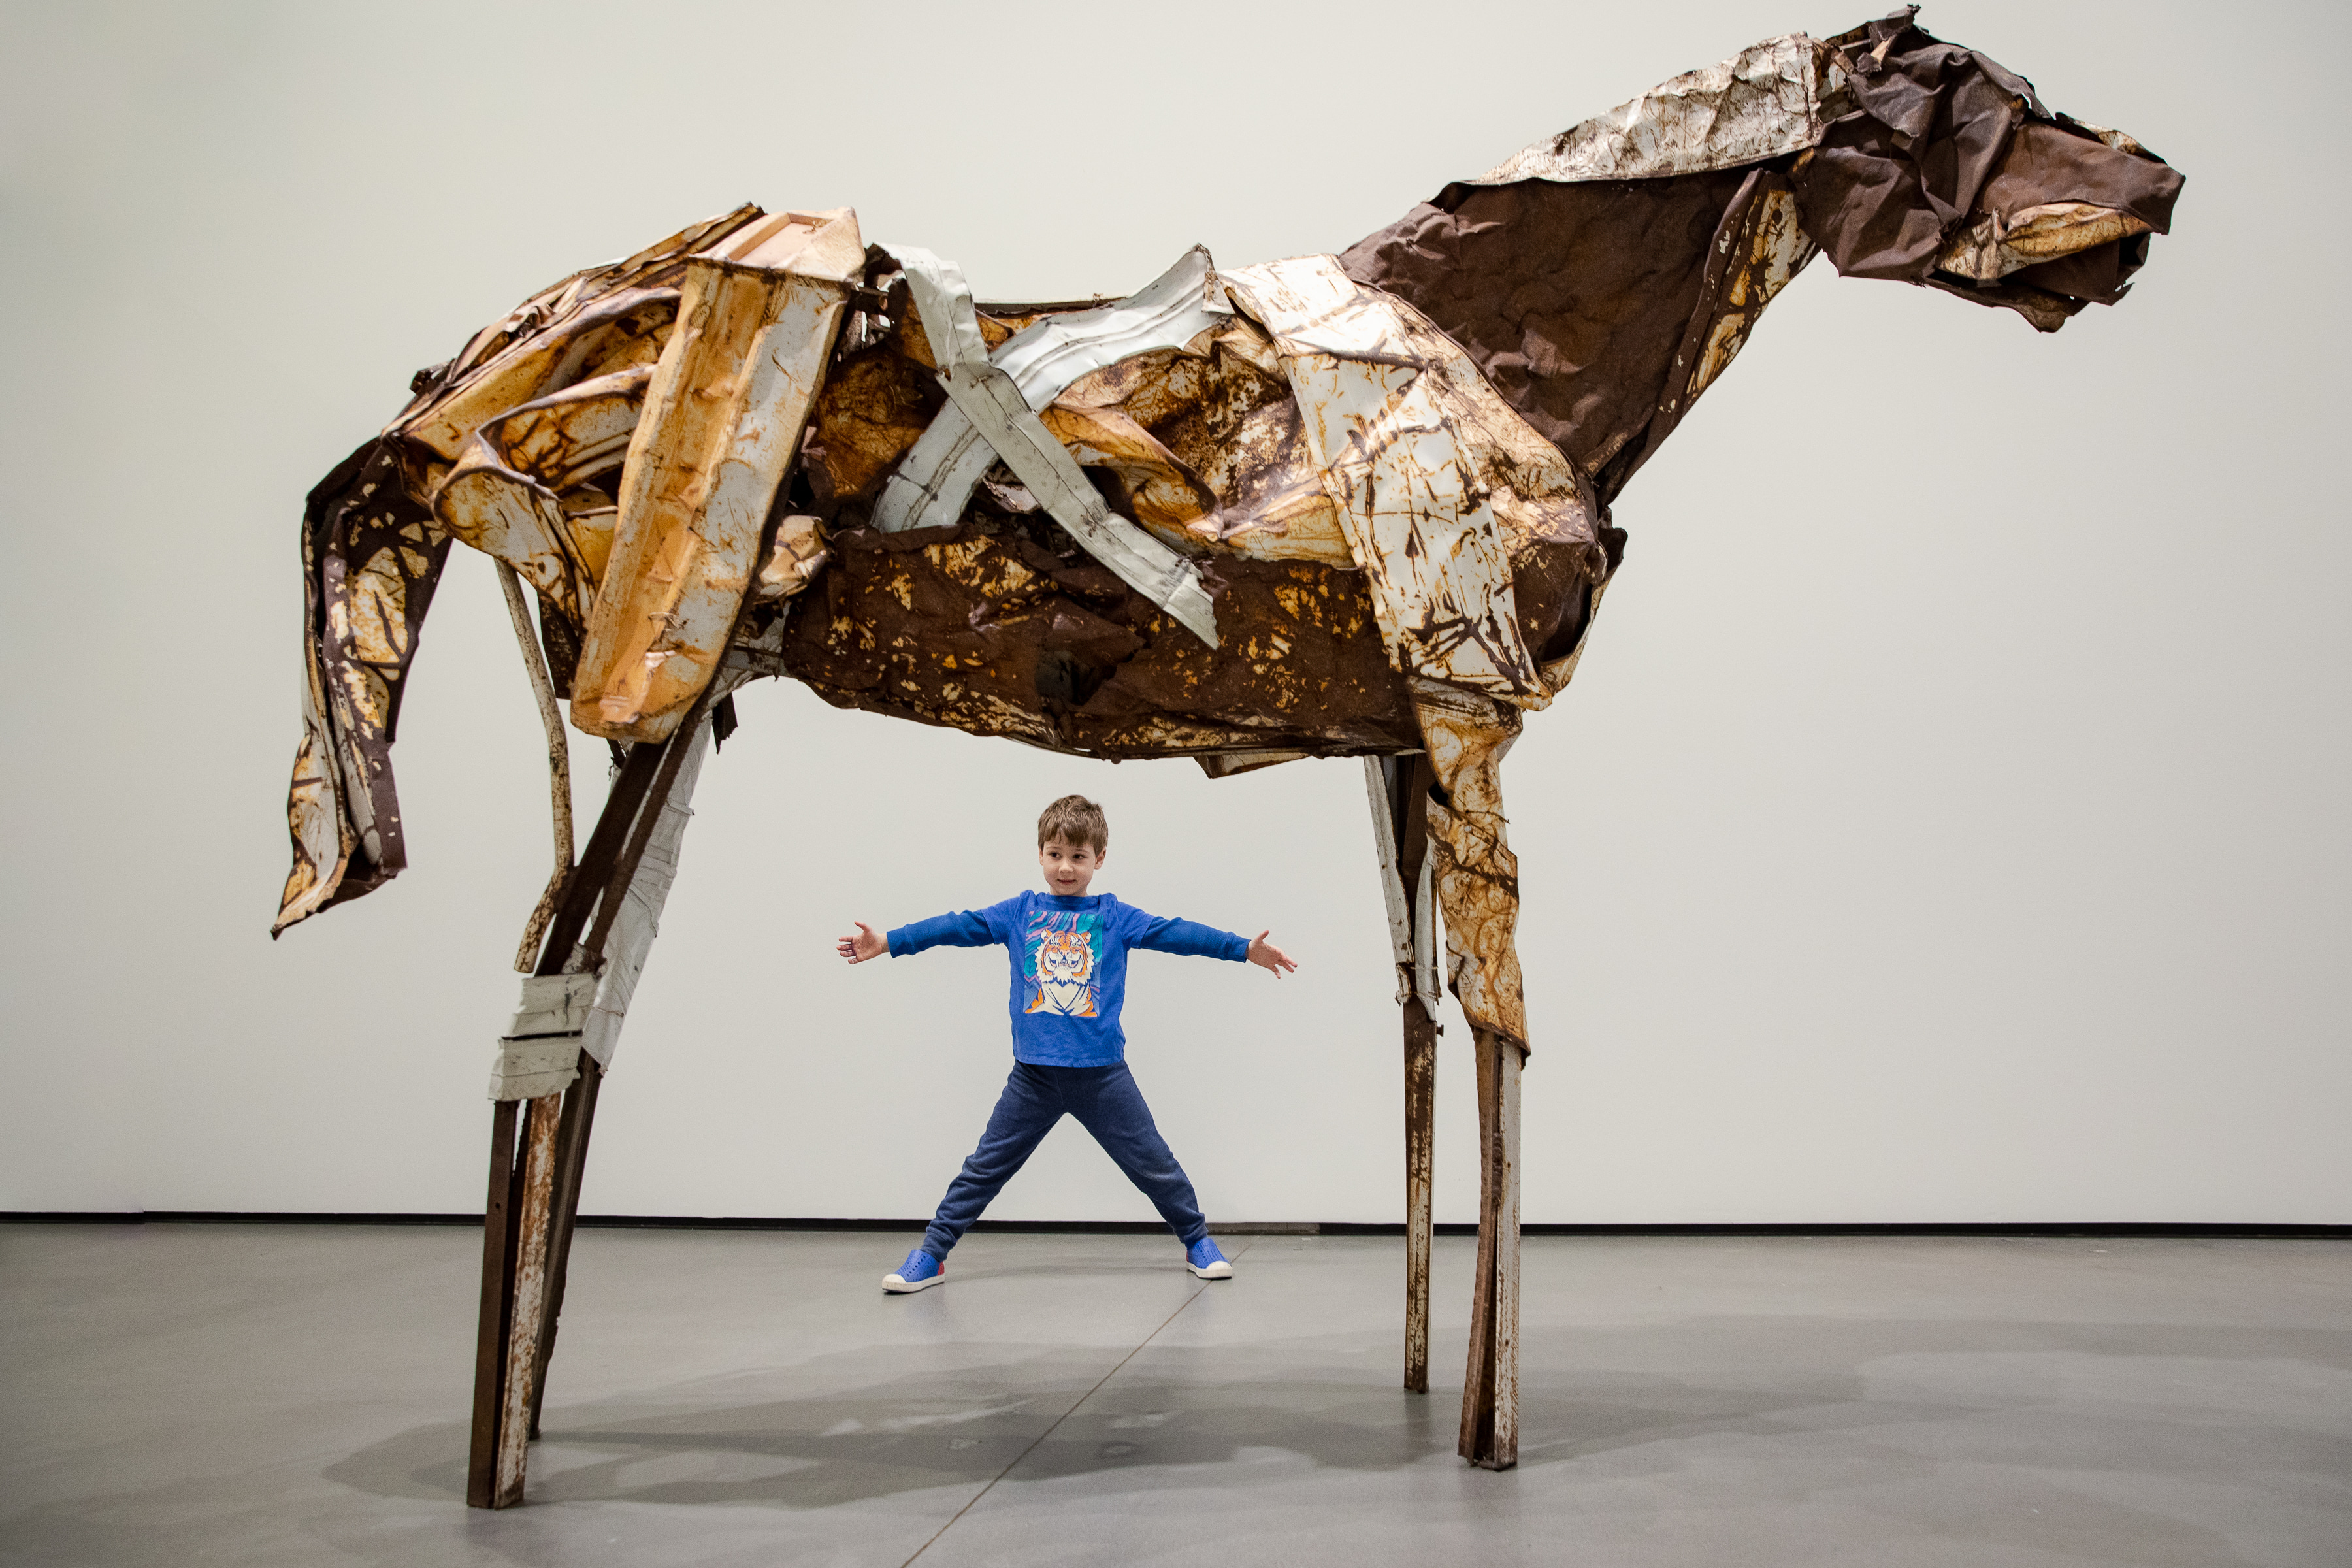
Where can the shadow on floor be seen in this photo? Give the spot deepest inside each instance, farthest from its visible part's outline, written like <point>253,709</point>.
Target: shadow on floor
<point>720,1442</point>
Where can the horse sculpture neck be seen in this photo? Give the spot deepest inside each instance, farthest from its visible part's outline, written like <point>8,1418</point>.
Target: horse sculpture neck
<point>1599,310</point>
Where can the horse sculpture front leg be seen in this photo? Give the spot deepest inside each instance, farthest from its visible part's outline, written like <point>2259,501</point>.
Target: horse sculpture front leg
<point>1477,884</point>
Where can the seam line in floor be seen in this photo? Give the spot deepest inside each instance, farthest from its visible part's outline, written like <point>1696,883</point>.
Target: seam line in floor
<point>1015,1463</point>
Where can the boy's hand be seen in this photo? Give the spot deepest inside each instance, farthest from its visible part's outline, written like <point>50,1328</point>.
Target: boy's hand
<point>867,944</point>
<point>1265,955</point>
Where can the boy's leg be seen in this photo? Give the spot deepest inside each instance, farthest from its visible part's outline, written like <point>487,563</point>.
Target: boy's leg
<point>1025,1113</point>
<point>1111,1107</point>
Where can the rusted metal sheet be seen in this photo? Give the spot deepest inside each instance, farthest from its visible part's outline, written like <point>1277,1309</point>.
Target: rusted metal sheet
<point>534,1228</point>
<point>1478,875</point>
<point>992,402</point>
<point>1004,626</point>
<point>933,484</point>
<point>371,558</point>
<point>723,418</point>
<point>535,486</point>
<point>595,321</point>
<point>1437,482</point>
<point>1761,103</point>
<point>1490,1385</point>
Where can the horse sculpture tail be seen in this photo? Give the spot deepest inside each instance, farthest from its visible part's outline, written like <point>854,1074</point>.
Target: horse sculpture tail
<point>572,359</point>
<point>370,558</point>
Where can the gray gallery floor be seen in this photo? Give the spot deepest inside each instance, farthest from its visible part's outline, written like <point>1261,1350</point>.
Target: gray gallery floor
<point>266,1396</point>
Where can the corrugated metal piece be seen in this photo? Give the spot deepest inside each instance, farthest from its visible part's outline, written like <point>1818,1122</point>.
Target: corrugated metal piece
<point>933,483</point>
<point>723,418</point>
<point>1760,104</point>
<point>1433,476</point>
<point>989,398</point>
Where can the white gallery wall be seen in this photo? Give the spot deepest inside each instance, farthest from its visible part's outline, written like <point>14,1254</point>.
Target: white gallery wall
<point>1947,823</point>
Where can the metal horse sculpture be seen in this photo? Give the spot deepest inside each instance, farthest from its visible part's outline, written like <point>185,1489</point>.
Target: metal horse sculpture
<point>1353,505</point>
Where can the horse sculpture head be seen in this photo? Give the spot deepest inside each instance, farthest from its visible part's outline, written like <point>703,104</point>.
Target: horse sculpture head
<point>1603,278</point>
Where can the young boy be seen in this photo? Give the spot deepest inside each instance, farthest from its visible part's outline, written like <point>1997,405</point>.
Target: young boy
<point>1069,978</point>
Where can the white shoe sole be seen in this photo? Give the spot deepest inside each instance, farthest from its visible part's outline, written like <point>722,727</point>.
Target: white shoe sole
<point>1220,1270</point>
<point>896,1286</point>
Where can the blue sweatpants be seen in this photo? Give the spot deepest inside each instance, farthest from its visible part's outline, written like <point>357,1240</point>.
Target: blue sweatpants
<point>1107,1104</point>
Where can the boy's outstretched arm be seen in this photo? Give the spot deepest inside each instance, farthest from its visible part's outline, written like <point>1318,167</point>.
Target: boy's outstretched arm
<point>1265,955</point>
<point>968,929</point>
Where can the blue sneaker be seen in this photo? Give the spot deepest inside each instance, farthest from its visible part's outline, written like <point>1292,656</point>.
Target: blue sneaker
<point>1203,1258</point>
<point>919,1273</point>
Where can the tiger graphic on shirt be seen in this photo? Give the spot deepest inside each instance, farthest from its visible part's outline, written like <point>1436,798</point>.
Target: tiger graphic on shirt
<point>1060,964</point>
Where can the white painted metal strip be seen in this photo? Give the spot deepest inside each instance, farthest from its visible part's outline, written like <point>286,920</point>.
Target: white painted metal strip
<point>552,1004</point>
<point>1413,932</point>
<point>988,398</point>
<point>527,1069</point>
<point>933,483</point>
<point>1384,846</point>
<point>639,922</point>
<point>1425,935</point>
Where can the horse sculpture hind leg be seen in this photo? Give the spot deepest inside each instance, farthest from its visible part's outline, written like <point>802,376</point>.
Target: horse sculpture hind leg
<point>1399,788</point>
<point>1477,884</point>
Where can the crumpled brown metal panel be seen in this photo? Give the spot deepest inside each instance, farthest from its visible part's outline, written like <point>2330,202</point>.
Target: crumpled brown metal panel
<point>1943,145</point>
<point>584,325</point>
<point>1002,626</point>
<point>1600,308</point>
<point>1572,299</point>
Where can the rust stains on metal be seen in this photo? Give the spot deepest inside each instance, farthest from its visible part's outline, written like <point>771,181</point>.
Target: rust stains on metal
<point>723,419</point>
<point>1439,485</point>
<point>1761,103</point>
<point>1003,626</point>
<point>1478,876</point>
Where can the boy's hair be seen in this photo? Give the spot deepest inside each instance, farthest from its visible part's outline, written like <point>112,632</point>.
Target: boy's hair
<point>1074,819</point>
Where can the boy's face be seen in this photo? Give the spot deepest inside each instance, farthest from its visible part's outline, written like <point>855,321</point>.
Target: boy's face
<point>1069,867</point>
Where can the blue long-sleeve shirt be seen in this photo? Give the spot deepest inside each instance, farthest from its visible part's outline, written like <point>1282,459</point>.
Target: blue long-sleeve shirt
<point>1069,967</point>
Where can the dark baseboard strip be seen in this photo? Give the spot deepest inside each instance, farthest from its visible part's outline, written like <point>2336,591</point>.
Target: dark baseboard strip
<point>2093,1228</point>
